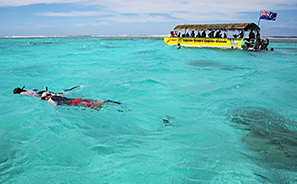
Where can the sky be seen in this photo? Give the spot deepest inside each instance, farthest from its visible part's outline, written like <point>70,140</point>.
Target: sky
<point>137,17</point>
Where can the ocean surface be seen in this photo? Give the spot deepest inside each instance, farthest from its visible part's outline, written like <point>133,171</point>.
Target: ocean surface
<point>189,115</point>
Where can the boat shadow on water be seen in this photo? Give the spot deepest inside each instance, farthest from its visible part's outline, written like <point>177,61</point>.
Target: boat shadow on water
<point>271,135</point>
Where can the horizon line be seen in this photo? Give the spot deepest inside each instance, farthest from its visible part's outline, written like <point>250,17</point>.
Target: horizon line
<point>98,36</point>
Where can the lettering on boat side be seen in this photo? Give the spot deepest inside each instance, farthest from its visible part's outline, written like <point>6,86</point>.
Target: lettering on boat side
<point>221,41</point>
<point>204,40</point>
<point>187,40</point>
<point>171,40</point>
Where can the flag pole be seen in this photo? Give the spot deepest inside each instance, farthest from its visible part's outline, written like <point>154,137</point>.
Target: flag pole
<point>259,18</point>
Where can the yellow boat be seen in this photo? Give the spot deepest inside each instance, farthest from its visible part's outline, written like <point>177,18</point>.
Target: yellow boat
<point>212,40</point>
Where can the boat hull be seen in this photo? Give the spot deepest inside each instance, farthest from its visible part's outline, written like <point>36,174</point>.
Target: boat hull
<point>205,42</point>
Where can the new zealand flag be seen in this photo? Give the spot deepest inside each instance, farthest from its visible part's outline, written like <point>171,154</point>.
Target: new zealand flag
<point>268,15</point>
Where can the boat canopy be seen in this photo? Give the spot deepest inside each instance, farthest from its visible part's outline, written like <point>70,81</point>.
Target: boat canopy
<point>232,26</point>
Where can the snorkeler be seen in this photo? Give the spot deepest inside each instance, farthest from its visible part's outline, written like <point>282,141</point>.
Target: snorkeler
<point>30,92</point>
<point>36,92</point>
<point>59,100</point>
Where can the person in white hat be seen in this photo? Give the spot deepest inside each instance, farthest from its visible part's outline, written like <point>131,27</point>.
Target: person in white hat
<point>59,100</point>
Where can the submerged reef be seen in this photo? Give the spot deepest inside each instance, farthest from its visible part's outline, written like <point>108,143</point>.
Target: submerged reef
<point>270,134</point>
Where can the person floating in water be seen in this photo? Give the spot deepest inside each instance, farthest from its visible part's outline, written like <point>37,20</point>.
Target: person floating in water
<point>59,100</point>
<point>35,92</point>
<point>30,92</point>
<point>178,46</point>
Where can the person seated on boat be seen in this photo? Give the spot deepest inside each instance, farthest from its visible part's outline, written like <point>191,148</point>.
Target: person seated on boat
<point>198,35</point>
<point>193,34</point>
<point>218,34</point>
<point>178,35</point>
<point>235,35</point>
<point>241,34</point>
<point>187,35</point>
<point>211,34</point>
<point>225,35</point>
<point>171,34</point>
<point>203,34</point>
<point>251,35</point>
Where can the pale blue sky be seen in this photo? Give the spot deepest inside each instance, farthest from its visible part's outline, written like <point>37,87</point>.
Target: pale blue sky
<point>137,17</point>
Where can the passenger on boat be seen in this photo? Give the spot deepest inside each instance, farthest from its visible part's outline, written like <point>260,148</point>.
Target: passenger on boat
<point>187,35</point>
<point>245,44</point>
<point>178,35</point>
<point>211,34</point>
<point>171,34</point>
<point>203,34</point>
<point>258,43</point>
<point>193,34</point>
<point>198,35</point>
<point>258,34</point>
<point>251,35</point>
<point>225,35</point>
<point>218,34</point>
<point>241,34</point>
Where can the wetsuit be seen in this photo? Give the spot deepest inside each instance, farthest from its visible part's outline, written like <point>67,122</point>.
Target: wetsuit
<point>59,100</point>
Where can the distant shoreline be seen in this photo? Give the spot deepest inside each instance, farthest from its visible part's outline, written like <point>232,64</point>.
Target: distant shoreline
<point>276,39</point>
<point>83,36</point>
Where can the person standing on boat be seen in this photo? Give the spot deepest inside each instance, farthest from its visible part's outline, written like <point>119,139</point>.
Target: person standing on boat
<point>252,35</point>
<point>258,43</point>
<point>258,34</point>
<point>203,34</point>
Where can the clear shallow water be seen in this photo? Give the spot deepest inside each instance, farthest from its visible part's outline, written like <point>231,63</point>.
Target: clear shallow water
<point>232,114</point>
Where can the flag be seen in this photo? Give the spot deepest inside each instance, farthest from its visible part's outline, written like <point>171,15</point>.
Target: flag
<point>268,15</point>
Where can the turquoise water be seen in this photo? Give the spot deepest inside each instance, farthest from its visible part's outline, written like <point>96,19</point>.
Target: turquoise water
<point>231,115</point>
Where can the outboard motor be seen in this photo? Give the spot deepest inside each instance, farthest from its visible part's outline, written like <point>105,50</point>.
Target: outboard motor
<point>264,44</point>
